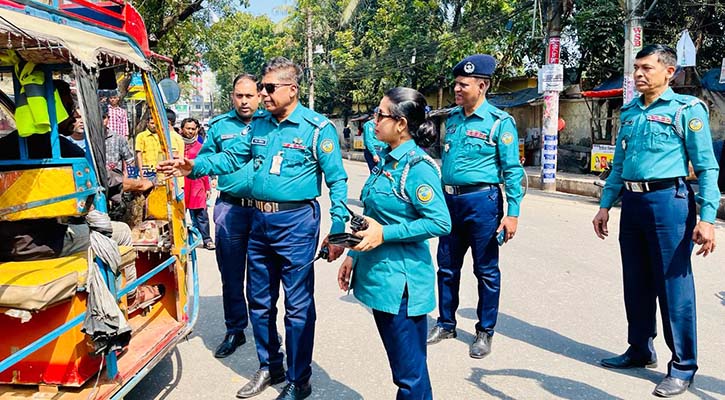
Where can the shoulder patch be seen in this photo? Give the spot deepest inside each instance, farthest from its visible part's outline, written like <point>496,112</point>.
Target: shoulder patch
<point>695,124</point>
<point>507,138</point>
<point>327,146</point>
<point>424,193</point>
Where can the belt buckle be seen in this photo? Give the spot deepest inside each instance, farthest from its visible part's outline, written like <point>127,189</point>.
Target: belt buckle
<point>449,189</point>
<point>637,187</point>
<point>267,206</point>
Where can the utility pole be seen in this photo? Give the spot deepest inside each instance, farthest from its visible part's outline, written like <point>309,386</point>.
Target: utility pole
<point>552,77</point>
<point>311,100</point>
<point>633,39</point>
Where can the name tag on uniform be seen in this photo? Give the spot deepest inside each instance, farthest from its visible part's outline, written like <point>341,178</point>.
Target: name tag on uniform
<point>259,141</point>
<point>228,136</point>
<point>276,164</point>
<point>628,122</point>
<point>660,118</point>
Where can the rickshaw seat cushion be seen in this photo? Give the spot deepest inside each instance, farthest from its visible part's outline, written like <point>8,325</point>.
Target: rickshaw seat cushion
<point>36,285</point>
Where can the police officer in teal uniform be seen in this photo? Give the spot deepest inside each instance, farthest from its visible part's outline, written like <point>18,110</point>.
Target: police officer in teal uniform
<point>233,209</point>
<point>290,151</point>
<point>480,151</point>
<point>372,145</point>
<point>661,131</point>
<point>393,268</point>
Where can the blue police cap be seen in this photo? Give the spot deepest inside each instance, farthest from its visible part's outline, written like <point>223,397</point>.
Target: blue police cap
<point>477,66</point>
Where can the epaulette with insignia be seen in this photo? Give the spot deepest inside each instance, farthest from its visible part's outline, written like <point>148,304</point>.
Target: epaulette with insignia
<point>260,113</point>
<point>631,103</point>
<point>317,120</point>
<point>218,118</point>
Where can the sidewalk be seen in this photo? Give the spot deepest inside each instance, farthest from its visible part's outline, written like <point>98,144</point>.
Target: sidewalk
<point>581,184</point>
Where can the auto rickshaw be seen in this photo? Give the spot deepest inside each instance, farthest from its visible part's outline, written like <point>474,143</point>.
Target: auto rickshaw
<point>65,320</point>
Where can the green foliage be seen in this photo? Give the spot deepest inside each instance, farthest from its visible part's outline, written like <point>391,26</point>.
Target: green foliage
<point>370,46</point>
<point>705,19</point>
<point>600,35</point>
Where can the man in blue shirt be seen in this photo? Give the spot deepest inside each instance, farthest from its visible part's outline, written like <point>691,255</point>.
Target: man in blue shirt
<point>233,209</point>
<point>373,146</point>
<point>480,152</point>
<point>289,149</point>
<point>661,132</point>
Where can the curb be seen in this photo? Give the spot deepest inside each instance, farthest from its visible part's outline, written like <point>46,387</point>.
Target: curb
<point>582,185</point>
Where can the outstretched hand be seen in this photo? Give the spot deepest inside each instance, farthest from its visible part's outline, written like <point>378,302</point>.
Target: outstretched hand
<point>176,167</point>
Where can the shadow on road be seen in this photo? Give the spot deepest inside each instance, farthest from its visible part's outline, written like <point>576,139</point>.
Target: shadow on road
<point>163,383</point>
<point>561,387</point>
<point>166,376</point>
<point>547,339</point>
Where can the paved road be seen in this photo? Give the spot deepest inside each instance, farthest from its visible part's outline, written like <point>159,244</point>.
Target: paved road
<point>561,311</point>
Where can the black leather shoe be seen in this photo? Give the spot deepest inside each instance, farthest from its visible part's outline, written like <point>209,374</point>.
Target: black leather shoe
<point>624,361</point>
<point>229,344</point>
<point>481,347</point>
<point>439,333</point>
<point>671,387</point>
<point>295,391</point>
<point>261,380</point>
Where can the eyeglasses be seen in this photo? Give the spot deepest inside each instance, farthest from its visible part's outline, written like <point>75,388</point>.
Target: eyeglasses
<point>271,87</point>
<point>379,115</point>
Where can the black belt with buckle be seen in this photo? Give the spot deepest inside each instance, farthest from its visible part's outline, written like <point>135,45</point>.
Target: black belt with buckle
<point>465,189</point>
<point>272,207</point>
<point>237,201</point>
<point>650,186</point>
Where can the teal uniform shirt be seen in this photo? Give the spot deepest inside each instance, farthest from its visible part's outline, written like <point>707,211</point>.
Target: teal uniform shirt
<point>483,148</point>
<point>225,131</point>
<point>371,142</point>
<point>656,142</point>
<point>410,214</point>
<point>288,159</point>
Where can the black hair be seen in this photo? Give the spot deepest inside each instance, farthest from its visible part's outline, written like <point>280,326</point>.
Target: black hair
<point>187,120</point>
<point>244,75</point>
<point>171,116</point>
<point>411,104</point>
<point>665,54</point>
<point>290,70</point>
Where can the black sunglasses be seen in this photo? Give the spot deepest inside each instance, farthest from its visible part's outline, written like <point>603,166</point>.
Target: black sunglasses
<point>271,87</point>
<point>379,115</point>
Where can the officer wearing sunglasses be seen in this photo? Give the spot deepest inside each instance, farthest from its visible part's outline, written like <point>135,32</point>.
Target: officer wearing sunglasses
<point>290,150</point>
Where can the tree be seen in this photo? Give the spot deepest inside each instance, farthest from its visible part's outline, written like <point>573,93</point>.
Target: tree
<point>237,43</point>
<point>175,27</point>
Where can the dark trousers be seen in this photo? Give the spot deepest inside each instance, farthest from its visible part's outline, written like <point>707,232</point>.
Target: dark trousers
<point>232,226</point>
<point>281,243</point>
<point>404,341</point>
<point>200,221</point>
<point>475,217</point>
<point>369,159</point>
<point>656,242</point>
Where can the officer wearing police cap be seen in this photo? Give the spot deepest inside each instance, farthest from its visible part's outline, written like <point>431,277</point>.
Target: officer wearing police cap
<point>480,152</point>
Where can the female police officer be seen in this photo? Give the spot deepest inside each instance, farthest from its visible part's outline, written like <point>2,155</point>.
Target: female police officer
<point>404,206</point>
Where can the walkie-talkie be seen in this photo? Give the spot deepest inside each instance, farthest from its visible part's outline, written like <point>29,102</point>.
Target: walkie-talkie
<point>357,221</point>
<point>324,253</point>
